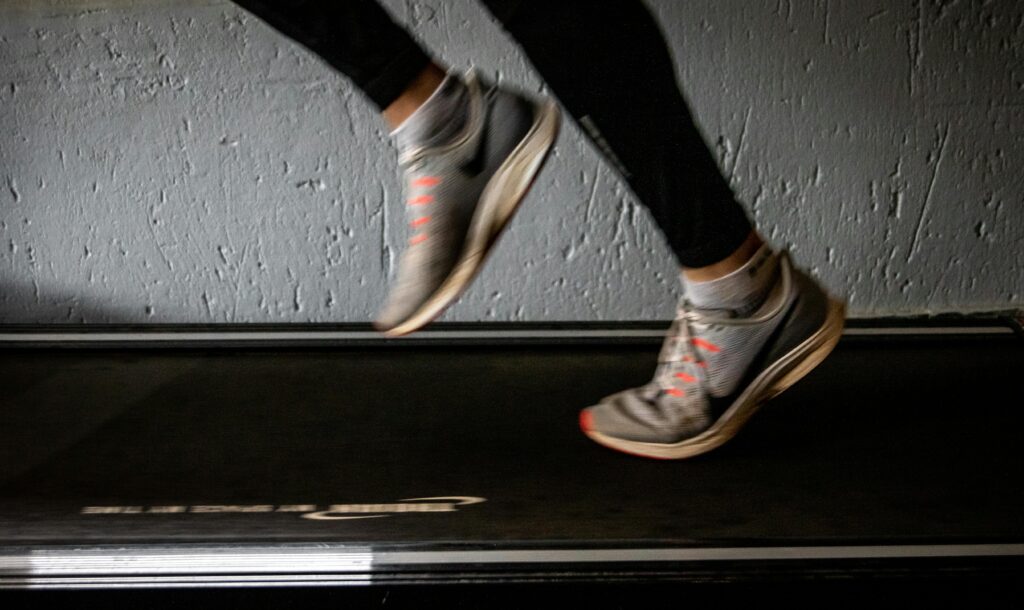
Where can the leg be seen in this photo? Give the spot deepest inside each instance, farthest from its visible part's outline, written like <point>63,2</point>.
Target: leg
<point>751,324</point>
<point>360,40</point>
<point>357,37</point>
<point>469,151</point>
<point>624,95</point>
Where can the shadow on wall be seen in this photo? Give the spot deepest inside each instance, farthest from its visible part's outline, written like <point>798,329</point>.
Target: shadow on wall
<point>44,305</point>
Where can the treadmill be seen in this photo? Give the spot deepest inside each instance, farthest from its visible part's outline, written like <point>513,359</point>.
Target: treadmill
<point>326,460</point>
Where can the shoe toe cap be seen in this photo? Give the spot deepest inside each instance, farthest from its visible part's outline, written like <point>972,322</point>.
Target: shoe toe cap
<point>628,416</point>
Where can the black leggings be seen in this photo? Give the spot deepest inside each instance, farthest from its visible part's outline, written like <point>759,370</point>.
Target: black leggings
<point>607,62</point>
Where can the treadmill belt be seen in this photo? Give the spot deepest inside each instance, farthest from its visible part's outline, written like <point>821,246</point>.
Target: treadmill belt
<point>892,441</point>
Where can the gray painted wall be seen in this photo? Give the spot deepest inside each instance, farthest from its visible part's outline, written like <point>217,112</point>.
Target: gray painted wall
<point>170,161</point>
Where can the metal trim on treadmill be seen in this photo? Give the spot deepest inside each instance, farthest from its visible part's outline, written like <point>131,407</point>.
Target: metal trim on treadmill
<point>700,554</point>
<point>277,336</point>
<point>318,564</point>
<point>270,337</point>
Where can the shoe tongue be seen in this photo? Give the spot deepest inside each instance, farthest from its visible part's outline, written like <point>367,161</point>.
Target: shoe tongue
<point>719,314</point>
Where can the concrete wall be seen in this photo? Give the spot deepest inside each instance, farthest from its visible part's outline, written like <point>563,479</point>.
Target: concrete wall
<point>178,161</point>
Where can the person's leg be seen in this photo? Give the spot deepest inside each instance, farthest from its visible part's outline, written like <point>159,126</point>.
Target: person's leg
<point>361,41</point>
<point>357,37</point>
<point>469,151</point>
<point>750,324</point>
<point>619,83</point>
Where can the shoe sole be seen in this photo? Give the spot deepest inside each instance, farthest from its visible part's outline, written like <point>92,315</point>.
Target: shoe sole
<point>775,379</point>
<point>499,201</point>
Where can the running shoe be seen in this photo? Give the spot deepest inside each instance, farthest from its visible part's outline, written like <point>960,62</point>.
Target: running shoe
<point>461,195</point>
<point>716,369</point>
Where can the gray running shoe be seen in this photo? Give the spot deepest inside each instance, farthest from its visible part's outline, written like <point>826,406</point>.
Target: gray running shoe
<point>715,371</point>
<point>461,195</point>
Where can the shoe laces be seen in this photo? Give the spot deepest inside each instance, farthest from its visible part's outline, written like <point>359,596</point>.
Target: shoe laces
<point>684,345</point>
<point>679,348</point>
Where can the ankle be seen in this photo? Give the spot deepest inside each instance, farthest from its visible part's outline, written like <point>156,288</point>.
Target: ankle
<point>439,119</point>
<point>742,290</point>
<point>730,264</point>
<point>418,92</point>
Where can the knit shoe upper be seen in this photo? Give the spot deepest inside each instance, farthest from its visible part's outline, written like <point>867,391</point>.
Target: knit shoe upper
<point>460,195</point>
<point>715,369</point>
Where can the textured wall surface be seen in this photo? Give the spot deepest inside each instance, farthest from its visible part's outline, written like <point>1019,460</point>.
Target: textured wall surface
<point>178,161</point>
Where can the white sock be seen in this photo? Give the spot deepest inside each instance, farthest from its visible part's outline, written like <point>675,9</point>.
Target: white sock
<point>743,290</point>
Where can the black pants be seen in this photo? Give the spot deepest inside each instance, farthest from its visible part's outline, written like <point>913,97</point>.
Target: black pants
<point>607,62</point>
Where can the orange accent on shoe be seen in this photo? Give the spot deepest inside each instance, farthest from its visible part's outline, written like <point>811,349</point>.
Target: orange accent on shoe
<point>675,392</point>
<point>711,347</point>
<point>421,221</point>
<point>687,359</point>
<point>426,181</point>
<point>702,365</point>
<point>418,239</point>
<point>421,200</point>
<point>586,420</point>
<point>686,378</point>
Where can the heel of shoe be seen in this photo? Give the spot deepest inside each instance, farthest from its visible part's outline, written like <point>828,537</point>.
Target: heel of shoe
<point>820,345</point>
